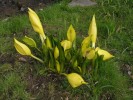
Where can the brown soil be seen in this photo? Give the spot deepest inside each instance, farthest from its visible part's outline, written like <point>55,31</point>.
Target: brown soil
<point>14,7</point>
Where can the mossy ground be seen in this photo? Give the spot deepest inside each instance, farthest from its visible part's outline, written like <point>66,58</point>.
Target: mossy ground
<point>22,78</point>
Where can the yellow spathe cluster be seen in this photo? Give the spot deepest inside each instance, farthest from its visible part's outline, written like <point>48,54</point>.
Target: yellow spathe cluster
<point>88,45</point>
<point>71,36</point>
<point>88,48</point>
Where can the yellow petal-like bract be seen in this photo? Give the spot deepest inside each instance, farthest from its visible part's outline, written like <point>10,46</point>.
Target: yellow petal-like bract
<point>93,31</point>
<point>86,41</point>
<point>48,43</point>
<point>36,24</point>
<point>85,44</point>
<point>85,50</point>
<point>56,52</point>
<point>71,34</point>
<point>66,44</point>
<point>22,48</point>
<point>75,80</point>
<point>90,54</point>
<point>106,54</point>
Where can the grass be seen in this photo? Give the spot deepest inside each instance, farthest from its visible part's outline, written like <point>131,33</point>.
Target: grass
<point>22,79</point>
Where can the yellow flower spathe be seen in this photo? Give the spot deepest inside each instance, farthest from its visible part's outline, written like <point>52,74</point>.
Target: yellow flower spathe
<point>75,80</point>
<point>56,52</point>
<point>90,54</point>
<point>84,50</point>
<point>22,48</point>
<point>48,43</point>
<point>86,41</point>
<point>93,31</point>
<point>106,54</point>
<point>71,34</point>
<point>66,44</point>
<point>85,44</point>
<point>36,24</point>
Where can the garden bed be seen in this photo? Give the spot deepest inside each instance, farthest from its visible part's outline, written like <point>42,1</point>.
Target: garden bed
<point>22,77</point>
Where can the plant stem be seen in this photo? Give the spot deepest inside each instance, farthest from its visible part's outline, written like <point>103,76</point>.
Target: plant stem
<point>37,58</point>
<point>64,74</point>
<point>38,50</point>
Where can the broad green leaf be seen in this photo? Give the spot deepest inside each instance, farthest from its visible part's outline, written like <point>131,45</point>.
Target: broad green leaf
<point>58,68</point>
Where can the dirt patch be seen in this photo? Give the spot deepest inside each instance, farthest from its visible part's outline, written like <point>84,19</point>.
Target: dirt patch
<point>6,58</point>
<point>14,7</point>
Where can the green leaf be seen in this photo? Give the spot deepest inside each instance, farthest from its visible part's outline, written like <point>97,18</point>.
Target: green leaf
<point>85,65</point>
<point>29,41</point>
<point>52,61</point>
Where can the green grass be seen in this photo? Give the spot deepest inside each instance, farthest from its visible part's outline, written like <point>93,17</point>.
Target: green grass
<point>114,22</point>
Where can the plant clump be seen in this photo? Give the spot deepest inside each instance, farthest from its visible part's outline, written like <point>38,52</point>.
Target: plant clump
<point>79,64</point>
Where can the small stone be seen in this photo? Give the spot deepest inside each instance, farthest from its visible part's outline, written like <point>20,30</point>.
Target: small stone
<point>129,72</point>
<point>22,9</point>
<point>81,3</point>
<point>131,88</point>
<point>6,19</point>
<point>22,59</point>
